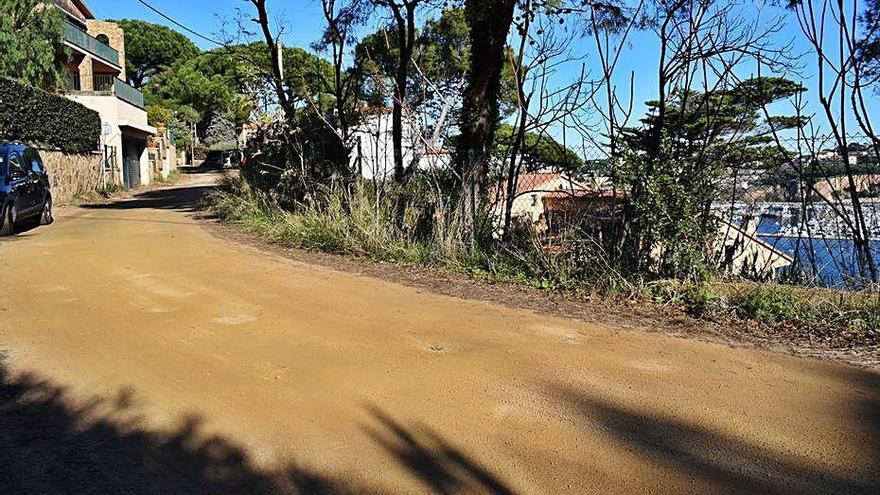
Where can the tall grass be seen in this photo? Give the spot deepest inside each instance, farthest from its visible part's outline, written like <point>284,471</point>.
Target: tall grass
<point>353,223</point>
<point>360,223</point>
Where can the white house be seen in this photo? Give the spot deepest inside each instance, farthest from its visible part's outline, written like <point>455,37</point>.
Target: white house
<point>373,152</point>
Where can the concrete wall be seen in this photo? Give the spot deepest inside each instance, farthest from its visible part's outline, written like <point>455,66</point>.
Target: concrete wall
<point>73,175</point>
<point>114,110</point>
<point>115,114</point>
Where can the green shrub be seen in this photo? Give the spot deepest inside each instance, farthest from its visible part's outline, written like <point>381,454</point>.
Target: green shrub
<point>773,303</point>
<point>158,114</point>
<point>37,117</point>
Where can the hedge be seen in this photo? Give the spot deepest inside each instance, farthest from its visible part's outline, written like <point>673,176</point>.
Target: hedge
<point>37,117</point>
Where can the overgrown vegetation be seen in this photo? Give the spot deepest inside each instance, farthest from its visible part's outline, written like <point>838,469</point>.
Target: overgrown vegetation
<point>172,177</point>
<point>408,144</point>
<point>37,117</point>
<point>357,222</point>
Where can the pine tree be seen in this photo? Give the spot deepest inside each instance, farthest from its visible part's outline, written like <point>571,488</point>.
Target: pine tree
<point>32,44</point>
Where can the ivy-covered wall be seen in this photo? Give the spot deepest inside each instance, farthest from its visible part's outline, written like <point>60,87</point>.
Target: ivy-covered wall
<point>40,118</point>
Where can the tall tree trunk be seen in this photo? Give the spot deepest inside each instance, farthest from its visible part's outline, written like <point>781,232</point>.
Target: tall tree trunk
<point>405,27</point>
<point>284,99</point>
<point>489,22</point>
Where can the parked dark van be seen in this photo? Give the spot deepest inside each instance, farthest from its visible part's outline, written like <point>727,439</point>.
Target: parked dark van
<point>24,188</point>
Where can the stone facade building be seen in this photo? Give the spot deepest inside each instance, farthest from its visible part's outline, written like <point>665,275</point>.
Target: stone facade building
<point>97,79</point>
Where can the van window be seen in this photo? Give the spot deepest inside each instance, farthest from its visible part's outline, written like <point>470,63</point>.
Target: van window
<point>32,158</point>
<point>15,170</point>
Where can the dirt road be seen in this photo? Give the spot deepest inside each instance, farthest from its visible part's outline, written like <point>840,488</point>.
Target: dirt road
<point>144,354</point>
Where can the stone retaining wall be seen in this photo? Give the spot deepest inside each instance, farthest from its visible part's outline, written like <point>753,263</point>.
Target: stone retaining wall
<point>73,175</point>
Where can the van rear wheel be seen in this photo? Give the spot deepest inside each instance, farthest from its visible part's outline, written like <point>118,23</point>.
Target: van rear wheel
<point>46,217</point>
<point>7,226</point>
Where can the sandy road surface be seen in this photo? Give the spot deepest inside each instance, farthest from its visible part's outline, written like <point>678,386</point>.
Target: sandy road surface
<point>143,354</point>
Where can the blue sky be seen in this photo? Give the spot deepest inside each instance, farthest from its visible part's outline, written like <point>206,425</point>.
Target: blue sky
<point>302,17</point>
<point>302,23</point>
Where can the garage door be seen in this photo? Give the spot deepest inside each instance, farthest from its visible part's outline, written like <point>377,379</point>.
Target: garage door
<point>131,173</point>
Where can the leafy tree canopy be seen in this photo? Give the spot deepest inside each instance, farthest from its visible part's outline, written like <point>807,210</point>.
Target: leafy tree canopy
<point>220,133</point>
<point>538,151</point>
<point>233,80</point>
<point>726,127</point>
<point>152,48</point>
<point>157,114</point>
<point>32,43</point>
<point>441,55</point>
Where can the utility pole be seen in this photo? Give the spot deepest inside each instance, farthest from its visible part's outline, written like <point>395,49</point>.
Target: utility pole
<point>192,146</point>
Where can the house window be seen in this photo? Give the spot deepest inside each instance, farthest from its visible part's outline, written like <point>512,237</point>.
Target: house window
<point>103,38</point>
<point>534,200</point>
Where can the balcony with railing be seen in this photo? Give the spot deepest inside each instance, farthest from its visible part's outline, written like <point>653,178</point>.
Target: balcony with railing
<point>128,94</point>
<point>107,85</point>
<point>103,83</point>
<point>79,38</point>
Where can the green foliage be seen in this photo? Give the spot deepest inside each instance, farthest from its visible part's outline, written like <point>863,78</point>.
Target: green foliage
<point>538,151</point>
<point>32,43</point>
<point>180,131</point>
<point>671,166</point>
<point>442,54</point>
<point>834,310</point>
<point>178,123</point>
<point>305,73</point>
<point>350,224</point>
<point>667,226</point>
<point>152,48</point>
<point>361,224</point>
<point>193,84</point>
<point>52,120</point>
<point>233,80</point>
<point>157,114</point>
<point>725,127</point>
<point>172,177</point>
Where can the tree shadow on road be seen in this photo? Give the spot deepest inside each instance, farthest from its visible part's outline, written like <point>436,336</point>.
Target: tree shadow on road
<point>183,199</point>
<point>729,463</point>
<point>436,462</point>
<point>53,443</point>
<point>50,443</point>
